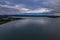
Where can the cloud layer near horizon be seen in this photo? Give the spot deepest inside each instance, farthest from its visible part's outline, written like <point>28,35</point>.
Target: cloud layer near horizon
<point>27,6</point>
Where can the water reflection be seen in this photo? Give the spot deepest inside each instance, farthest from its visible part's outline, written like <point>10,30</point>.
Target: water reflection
<point>31,29</point>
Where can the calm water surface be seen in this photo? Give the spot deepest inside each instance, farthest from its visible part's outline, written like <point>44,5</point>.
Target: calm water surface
<point>34,28</point>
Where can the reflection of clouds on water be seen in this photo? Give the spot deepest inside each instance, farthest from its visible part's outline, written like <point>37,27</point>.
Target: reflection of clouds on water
<point>41,21</point>
<point>38,27</point>
<point>17,23</point>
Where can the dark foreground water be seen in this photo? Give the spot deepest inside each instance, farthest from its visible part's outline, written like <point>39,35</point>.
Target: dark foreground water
<point>31,29</point>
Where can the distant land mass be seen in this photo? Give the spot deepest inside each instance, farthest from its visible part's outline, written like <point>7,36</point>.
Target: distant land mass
<point>6,19</point>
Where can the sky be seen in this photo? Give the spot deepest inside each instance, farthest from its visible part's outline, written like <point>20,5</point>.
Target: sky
<point>27,6</point>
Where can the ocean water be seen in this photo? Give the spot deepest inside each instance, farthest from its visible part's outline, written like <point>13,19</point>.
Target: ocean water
<point>31,28</point>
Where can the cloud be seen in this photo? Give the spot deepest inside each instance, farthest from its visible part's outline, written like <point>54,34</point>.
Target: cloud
<point>39,10</point>
<point>18,7</point>
<point>5,9</point>
<point>57,7</point>
<point>28,6</point>
<point>35,0</point>
<point>7,2</point>
<point>22,9</point>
